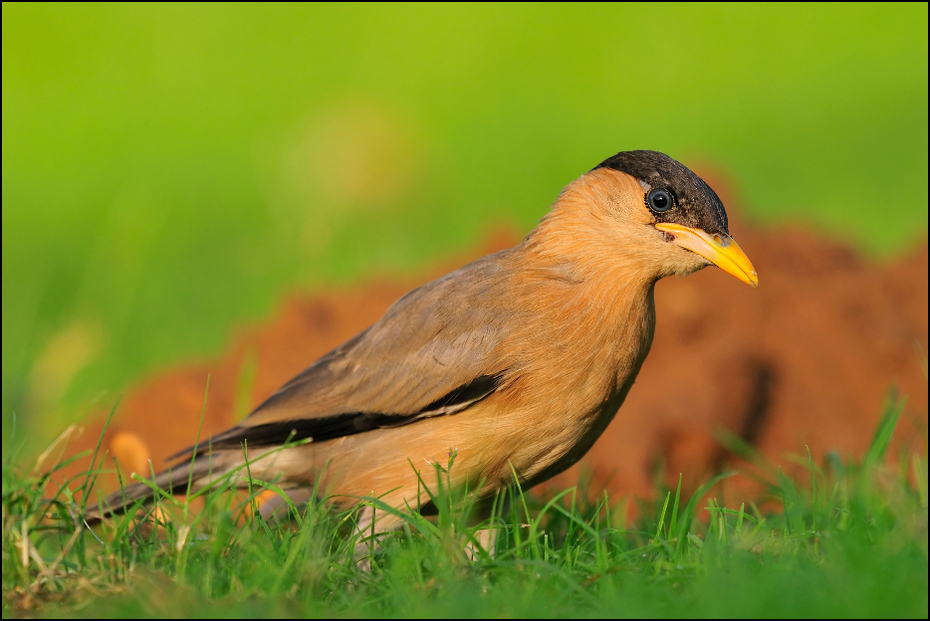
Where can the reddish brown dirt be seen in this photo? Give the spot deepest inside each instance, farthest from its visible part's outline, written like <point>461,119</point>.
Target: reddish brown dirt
<point>807,359</point>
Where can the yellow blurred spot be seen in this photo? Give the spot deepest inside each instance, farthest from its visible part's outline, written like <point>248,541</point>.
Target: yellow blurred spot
<point>261,499</point>
<point>353,155</point>
<point>131,453</point>
<point>64,356</point>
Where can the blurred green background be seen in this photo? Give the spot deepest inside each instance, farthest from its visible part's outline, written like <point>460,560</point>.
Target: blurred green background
<point>171,171</point>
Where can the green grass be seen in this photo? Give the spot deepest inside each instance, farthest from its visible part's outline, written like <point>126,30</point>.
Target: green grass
<point>170,172</point>
<point>847,540</point>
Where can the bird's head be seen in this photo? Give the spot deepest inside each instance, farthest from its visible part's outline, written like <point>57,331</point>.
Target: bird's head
<point>656,212</point>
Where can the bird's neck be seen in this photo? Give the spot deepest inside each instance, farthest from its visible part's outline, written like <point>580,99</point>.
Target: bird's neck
<point>598,288</point>
<point>602,315</point>
<point>590,238</point>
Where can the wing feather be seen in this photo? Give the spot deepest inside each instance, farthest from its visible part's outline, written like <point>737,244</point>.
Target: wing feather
<point>434,352</point>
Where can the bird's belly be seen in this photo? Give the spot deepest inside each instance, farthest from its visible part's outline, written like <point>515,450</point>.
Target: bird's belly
<point>481,448</point>
<point>556,444</point>
<point>477,449</point>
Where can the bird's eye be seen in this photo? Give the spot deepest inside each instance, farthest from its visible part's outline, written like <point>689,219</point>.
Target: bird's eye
<point>660,200</point>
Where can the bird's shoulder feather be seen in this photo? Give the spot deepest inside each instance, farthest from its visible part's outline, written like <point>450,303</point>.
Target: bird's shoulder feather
<point>432,353</point>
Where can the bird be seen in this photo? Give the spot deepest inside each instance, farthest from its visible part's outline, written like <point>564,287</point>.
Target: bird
<point>515,363</point>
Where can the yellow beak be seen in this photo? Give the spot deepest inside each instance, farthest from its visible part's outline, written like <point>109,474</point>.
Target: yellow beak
<point>718,248</point>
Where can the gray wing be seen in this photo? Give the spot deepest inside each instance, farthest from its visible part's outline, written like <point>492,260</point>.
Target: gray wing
<point>434,352</point>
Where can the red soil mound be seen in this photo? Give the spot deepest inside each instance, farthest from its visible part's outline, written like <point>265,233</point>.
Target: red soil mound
<point>807,359</point>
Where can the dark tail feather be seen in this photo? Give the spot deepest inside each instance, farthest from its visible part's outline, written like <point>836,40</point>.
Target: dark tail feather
<point>175,480</point>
